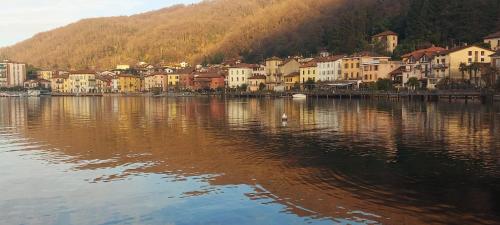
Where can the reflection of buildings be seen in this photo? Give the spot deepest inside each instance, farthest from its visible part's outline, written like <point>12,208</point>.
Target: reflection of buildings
<point>328,151</point>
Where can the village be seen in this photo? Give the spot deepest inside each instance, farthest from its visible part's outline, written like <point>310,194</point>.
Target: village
<point>430,68</point>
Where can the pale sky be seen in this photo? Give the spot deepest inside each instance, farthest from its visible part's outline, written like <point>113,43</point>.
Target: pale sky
<point>21,19</point>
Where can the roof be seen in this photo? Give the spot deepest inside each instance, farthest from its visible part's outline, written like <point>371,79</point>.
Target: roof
<point>208,75</point>
<point>456,49</point>
<point>496,54</point>
<point>274,58</point>
<point>294,74</point>
<point>245,65</point>
<point>367,54</point>
<point>397,71</point>
<point>82,72</point>
<point>421,52</point>
<point>309,64</point>
<point>385,33</point>
<point>329,58</point>
<point>257,77</point>
<point>287,61</point>
<point>126,75</point>
<point>494,35</point>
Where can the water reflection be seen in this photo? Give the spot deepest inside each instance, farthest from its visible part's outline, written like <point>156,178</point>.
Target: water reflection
<point>202,161</point>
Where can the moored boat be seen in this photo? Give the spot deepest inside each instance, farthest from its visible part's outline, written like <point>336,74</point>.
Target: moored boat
<point>299,96</point>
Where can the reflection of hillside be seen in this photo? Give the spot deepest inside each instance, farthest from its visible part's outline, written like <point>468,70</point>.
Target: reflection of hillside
<point>357,155</point>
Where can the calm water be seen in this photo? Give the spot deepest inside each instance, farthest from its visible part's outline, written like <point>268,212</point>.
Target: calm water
<point>213,161</point>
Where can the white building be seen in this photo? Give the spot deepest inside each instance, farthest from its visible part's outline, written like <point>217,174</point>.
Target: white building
<point>329,68</point>
<point>12,74</point>
<point>82,82</point>
<point>238,75</point>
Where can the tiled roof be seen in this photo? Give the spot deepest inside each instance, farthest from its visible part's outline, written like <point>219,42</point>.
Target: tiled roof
<point>83,72</point>
<point>310,64</point>
<point>397,71</point>
<point>245,65</point>
<point>330,58</point>
<point>294,74</point>
<point>494,35</point>
<point>421,52</point>
<point>274,58</point>
<point>257,77</point>
<point>385,33</point>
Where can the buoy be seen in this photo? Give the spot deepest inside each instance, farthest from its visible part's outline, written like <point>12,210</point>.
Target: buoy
<point>284,117</point>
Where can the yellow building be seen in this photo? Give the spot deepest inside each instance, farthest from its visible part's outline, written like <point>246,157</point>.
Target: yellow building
<point>273,69</point>
<point>447,63</point>
<point>368,67</point>
<point>126,83</point>
<point>157,80</point>
<point>291,80</point>
<point>82,82</point>
<point>493,40</point>
<point>308,71</point>
<point>388,39</point>
<point>173,80</point>
<point>255,82</point>
<point>351,67</point>
<point>59,83</point>
<point>45,74</point>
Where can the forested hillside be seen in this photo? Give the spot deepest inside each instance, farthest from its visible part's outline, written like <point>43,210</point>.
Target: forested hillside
<point>255,29</point>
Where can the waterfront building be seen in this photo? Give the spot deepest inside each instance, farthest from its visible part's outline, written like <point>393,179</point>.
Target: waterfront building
<point>186,81</point>
<point>375,68</point>
<point>273,69</point>
<point>447,63</point>
<point>45,74</point>
<point>209,81</point>
<point>156,80</point>
<point>493,40</point>
<point>60,83</point>
<point>308,72</point>
<point>238,75</point>
<point>37,83</point>
<point>418,64</point>
<point>82,82</point>
<point>126,83</point>
<point>292,80</point>
<point>388,39</point>
<point>329,67</point>
<point>103,84</point>
<point>256,81</point>
<point>12,74</point>
<point>123,67</point>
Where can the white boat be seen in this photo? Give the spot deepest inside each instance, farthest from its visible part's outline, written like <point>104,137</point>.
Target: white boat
<point>299,96</point>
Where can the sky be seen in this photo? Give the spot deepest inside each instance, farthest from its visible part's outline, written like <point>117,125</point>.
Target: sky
<point>21,19</point>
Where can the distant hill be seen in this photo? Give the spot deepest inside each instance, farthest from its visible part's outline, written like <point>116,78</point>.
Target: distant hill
<point>254,29</point>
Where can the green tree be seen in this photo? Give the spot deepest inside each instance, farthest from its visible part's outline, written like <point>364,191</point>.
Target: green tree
<point>262,86</point>
<point>384,85</point>
<point>412,82</point>
<point>463,68</point>
<point>310,84</point>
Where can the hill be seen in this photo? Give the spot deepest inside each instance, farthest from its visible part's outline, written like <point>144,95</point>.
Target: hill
<point>254,29</point>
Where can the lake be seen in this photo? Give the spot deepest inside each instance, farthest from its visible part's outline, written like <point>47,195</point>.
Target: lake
<point>140,160</point>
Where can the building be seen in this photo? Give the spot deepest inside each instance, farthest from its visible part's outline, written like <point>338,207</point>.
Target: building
<point>123,67</point>
<point>60,83</point>
<point>209,81</point>
<point>329,68</point>
<point>238,75</point>
<point>256,82</point>
<point>82,82</point>
<point>37,84</point>
<point>273,69</point>
<point>447,63</point>
<point>103,84</point>
<point>308,72</point>
<point>377,67</point>
<point>388,39</point>
<point>418,64</point>
<point>292,81</point>
<point>45,74</point>
<point>495,59</point>
<point>156,80</point>
<point>126,83</point>
<point>12,74</point>
<point>493,40</point>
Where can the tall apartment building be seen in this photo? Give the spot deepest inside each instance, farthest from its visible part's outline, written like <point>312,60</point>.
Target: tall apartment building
<point>12,74</point>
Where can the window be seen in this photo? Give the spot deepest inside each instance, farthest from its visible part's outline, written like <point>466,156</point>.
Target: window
<point>482,53</point>
<point>357,65</point>
<point>470,53</point>
<point>470,60</point>
<point>482,59</point>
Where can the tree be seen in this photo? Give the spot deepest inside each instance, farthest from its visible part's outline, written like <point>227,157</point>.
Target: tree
<point>244,87</point>
<point>262,86</point>
<point>310,84</point>
<point>463,68</point>
<point>384,84</point>
<point>413,82</point>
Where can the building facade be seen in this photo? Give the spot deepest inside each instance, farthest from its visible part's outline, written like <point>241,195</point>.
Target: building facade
<point>329,68</point>
<point>388,39</point>
<point>447,63</point>
<point>239,74</point>
<point>12,74</point>
<point>82,82</point>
